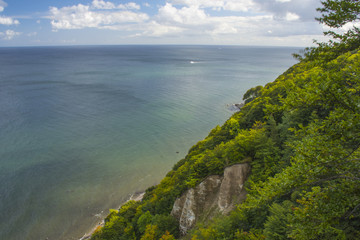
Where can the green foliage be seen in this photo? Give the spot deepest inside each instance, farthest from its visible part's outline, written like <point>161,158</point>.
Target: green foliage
<point>252,93</point>
<point>276,226</point>
<point>167,236</point>
<point>336,13</point>
<point>144,220</point>
<point>254,234</point>
<point>151,233</point>
<point>166,224</point>
<point>313,148</point>
<point>301,136</point>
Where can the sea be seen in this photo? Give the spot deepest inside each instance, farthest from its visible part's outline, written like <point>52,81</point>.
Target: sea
<point>82,128</point>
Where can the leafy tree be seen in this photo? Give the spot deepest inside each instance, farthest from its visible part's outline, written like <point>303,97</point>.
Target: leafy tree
<point>144,220</point>
<point>301,135</point>
<point>337,13</point>
<point>252,93</point>
<point>151,233</point>
<point>167,236</point>
<point>276,226</point>
<point>166,224</point>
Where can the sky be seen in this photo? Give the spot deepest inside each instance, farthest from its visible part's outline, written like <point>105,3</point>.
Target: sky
<point>113,22</point>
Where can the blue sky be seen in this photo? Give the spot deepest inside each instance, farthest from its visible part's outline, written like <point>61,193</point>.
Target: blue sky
<point>222,22</point>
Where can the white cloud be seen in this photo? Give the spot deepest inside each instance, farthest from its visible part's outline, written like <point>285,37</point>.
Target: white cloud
<point>100,4</point>
<point>83,16</point>
<point>8,21</point>
<point>234,21</point>
<point>231,5</point>
<point>2,5</point>
<point>9,34</point>
<point>291,16</point>
<point>239,6</point>
<point>305,9</point>
<point>224,28</point>
<point>155,29</point>
<point>130,5</point>
<point>350,25</point>
<point>186,15</point>
<point>196,22</point>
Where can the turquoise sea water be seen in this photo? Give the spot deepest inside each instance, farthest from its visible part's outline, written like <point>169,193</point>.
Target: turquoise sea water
<point>82,128</point>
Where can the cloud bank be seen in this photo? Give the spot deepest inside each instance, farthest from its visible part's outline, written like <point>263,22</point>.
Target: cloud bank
<point>99,14</point>
<point>231,20</point>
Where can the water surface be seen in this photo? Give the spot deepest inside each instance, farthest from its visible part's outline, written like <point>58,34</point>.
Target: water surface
<point>82,128</point>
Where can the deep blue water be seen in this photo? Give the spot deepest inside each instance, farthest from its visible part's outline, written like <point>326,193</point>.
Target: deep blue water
<point>82,128</point>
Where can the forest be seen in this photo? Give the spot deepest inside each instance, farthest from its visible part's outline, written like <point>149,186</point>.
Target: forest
<point>301,136</point>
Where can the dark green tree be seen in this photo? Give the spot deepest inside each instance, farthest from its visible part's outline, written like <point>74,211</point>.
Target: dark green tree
<point>336,14</point>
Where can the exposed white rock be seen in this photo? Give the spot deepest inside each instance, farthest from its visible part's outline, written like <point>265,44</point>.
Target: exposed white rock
<point>232,187</point>
<point>214,194</point>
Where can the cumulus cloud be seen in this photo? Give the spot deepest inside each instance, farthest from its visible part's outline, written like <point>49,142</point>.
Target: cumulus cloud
<point>195,21</point>
<point>2,5</point>
<point>100,4</point>
<point>304,9</point>
<point>224,28</point>
<point>231,5</point>
<point>247,20</point>
<point>239,6</point>
<point>130,5</point>
<point>186,15</point>
<point>350,25</point>
<point>100,14</point>
<point>9,34</point>
<point>155,29</point>
<point>291,16</point>
<point>6,20</point>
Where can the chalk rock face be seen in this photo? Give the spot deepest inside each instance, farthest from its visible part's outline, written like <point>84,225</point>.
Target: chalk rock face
<point>214,194</point>
<point>232,187</point>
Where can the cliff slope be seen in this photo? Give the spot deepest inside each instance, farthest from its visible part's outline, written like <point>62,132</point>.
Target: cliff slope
<point>215,194</point>
<point>299,135</point>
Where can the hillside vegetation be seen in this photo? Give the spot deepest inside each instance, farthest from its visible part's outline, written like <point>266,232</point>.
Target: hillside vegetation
<point>301,136</point>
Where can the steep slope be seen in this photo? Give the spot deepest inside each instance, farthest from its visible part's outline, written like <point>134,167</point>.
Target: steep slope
<point>300,134</point>
<point>215,194</point>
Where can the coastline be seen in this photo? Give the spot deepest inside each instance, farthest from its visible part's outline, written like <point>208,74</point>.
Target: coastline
<point>136,196</point>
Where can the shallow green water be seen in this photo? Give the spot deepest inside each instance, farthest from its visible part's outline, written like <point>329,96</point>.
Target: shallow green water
<point>82,128</point>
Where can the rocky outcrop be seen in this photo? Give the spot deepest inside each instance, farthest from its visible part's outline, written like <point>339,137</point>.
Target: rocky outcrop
<point>214,194</point>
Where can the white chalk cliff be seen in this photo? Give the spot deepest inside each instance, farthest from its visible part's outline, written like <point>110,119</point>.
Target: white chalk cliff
<point>214,194</point>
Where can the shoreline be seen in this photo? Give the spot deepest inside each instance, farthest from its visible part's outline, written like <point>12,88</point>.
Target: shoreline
<point>137,196</point>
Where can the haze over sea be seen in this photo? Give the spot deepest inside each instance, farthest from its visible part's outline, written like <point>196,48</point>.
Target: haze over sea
<point>82,128</point>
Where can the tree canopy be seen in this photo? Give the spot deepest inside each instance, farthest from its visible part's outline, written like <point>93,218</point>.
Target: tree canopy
<point>301,135</point>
